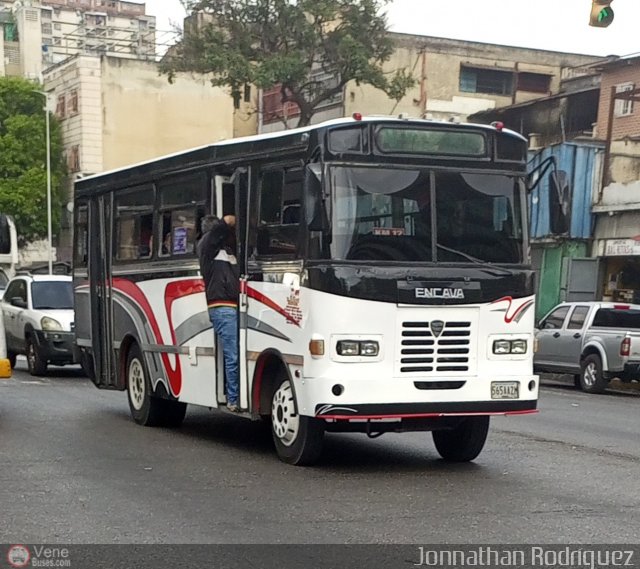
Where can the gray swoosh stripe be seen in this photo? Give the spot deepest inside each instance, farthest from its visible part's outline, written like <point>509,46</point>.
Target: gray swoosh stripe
<point>259,326</point>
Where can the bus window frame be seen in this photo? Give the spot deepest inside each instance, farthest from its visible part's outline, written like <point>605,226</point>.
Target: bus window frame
<point>282,166</point>
<point>115,195</point>
<point>206,176</point>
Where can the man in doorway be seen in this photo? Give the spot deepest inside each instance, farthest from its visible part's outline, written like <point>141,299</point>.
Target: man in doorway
<point>219,270</point>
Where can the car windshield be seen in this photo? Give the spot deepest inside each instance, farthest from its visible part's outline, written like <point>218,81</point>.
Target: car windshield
<point>385,214</point>
<point>52,295</point>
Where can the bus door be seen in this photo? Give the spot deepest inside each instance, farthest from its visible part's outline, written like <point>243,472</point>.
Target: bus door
<point>99,261</point>
<point>231,199</point>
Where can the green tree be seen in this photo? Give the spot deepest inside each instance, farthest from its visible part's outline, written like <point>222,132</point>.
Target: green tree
<point>293,44</point>
<point>23,159</point>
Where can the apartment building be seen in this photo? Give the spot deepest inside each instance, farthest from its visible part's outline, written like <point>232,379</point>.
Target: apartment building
<point>41,33</point>
<point>115,112</point>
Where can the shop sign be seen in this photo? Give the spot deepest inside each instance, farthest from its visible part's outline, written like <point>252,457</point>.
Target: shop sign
<point>621,247</point>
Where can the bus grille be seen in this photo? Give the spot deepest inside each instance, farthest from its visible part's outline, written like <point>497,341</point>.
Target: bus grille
<point>435,347</point>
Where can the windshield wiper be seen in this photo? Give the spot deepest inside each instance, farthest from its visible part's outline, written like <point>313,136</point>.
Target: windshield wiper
<point>475,260</point>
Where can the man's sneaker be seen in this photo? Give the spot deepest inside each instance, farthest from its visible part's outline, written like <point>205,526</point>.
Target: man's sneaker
<point>233,408</point>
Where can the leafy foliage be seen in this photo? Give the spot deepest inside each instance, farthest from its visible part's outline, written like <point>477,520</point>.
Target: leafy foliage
<point>295,44</point>
<point>23,159</point>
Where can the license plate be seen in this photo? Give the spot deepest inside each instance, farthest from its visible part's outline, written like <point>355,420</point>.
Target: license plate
<point>505,390</point>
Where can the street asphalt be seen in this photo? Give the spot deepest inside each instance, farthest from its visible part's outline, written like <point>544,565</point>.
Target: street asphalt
<point>76,469</point>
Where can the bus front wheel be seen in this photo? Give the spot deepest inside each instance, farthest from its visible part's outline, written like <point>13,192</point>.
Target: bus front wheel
<point>297,438</point>
<point>464,442</point>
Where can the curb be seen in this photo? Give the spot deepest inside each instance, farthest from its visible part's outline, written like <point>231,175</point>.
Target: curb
<point>615,386</point>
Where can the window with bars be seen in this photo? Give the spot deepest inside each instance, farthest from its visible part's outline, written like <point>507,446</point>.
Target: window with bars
<point>61,107</point>
<point>623,107</point>
<point>73,158</point>
<point>73,101</point>
<point>489,81</point>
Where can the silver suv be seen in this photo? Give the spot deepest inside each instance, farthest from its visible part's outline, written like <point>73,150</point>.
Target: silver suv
<point>38,320</point>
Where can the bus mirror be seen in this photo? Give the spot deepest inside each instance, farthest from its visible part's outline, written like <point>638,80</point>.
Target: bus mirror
<point>314,206</point>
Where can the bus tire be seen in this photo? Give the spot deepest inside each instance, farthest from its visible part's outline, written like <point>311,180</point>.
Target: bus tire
<point>145,409</point>
<point>173,413</point>
<point>464,442</point>
<point>297,438</point>
<point>592,378</point>
<point>12,356</point>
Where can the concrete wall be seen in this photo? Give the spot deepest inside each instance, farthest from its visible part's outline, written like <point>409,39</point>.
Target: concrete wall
<point>145,116</point>
<point>436,63</point>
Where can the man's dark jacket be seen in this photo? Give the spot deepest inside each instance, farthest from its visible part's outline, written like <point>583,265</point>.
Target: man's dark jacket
<point>218,267</point>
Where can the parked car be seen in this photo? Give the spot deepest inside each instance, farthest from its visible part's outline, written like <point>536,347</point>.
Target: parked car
<point>593,341</point>
<point>38,320</point>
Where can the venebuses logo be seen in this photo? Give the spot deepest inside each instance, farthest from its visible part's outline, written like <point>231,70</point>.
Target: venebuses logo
<point>18,556</point>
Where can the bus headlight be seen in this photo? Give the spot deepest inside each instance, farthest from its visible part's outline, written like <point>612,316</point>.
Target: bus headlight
<point>502,347</point>
<point>367,348</point>
<point>505,347</point>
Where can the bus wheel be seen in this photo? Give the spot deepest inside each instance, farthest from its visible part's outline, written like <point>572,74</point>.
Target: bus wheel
<point>173,413</point>
<point>464,442</point>
<point>298,439</point>
<point>145,409</point>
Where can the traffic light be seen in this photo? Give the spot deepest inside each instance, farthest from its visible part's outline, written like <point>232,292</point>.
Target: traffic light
<point>601,13</point>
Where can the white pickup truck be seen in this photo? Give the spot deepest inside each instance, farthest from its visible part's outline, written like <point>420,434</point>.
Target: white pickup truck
<point>593,341</point>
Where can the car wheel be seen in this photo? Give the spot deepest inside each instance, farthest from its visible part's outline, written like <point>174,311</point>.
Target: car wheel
<point>592,379</point>
<point>12,356</point>
<point>146,409</point>
<point>37,366</point>
<point>298,439</point>
<point>464,442</point>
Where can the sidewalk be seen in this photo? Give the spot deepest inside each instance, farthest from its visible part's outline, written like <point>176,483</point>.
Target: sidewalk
<point>616,386</point>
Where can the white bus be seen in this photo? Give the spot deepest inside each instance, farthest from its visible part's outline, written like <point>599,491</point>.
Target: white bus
<point>385,282</point>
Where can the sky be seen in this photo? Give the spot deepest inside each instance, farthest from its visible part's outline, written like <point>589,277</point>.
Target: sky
<point>557,25</point>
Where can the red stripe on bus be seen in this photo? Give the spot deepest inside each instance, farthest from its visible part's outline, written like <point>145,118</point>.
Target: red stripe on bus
<point>256,295</point>
<point>173,291</point>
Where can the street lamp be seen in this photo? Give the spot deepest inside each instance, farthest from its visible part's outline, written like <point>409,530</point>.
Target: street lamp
<point>48,136</point>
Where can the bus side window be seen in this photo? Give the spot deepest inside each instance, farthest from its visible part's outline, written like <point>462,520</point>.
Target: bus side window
<point>280,210</point>
<point>134,224</point>
<point>182,206</point>
<point>81,237</point>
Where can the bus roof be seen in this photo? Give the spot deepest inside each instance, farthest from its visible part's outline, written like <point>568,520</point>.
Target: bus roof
<point>297,131</point>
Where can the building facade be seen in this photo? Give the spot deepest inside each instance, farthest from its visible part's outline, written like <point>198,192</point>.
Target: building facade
<point>454,79</point>
<point>40,33</point>
<point>116,112</point>
<point>617,204</point>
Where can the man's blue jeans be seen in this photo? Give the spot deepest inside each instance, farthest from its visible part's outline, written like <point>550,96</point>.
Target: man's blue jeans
<point>225,324</point>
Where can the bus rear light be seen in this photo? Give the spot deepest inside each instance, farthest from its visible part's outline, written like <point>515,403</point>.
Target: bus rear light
<point>625,347</point>
<point>316,347</point>
<point>621,307</point>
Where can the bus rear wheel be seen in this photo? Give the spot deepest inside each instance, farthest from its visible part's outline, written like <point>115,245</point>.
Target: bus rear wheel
<point>298,439</point>
<point>145,409</point>
<point>464,442</point>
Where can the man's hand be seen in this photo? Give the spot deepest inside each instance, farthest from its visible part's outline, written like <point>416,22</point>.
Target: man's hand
<point>230,220</point>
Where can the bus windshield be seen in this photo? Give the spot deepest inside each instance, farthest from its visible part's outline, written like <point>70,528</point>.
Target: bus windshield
<point>386,214</point>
